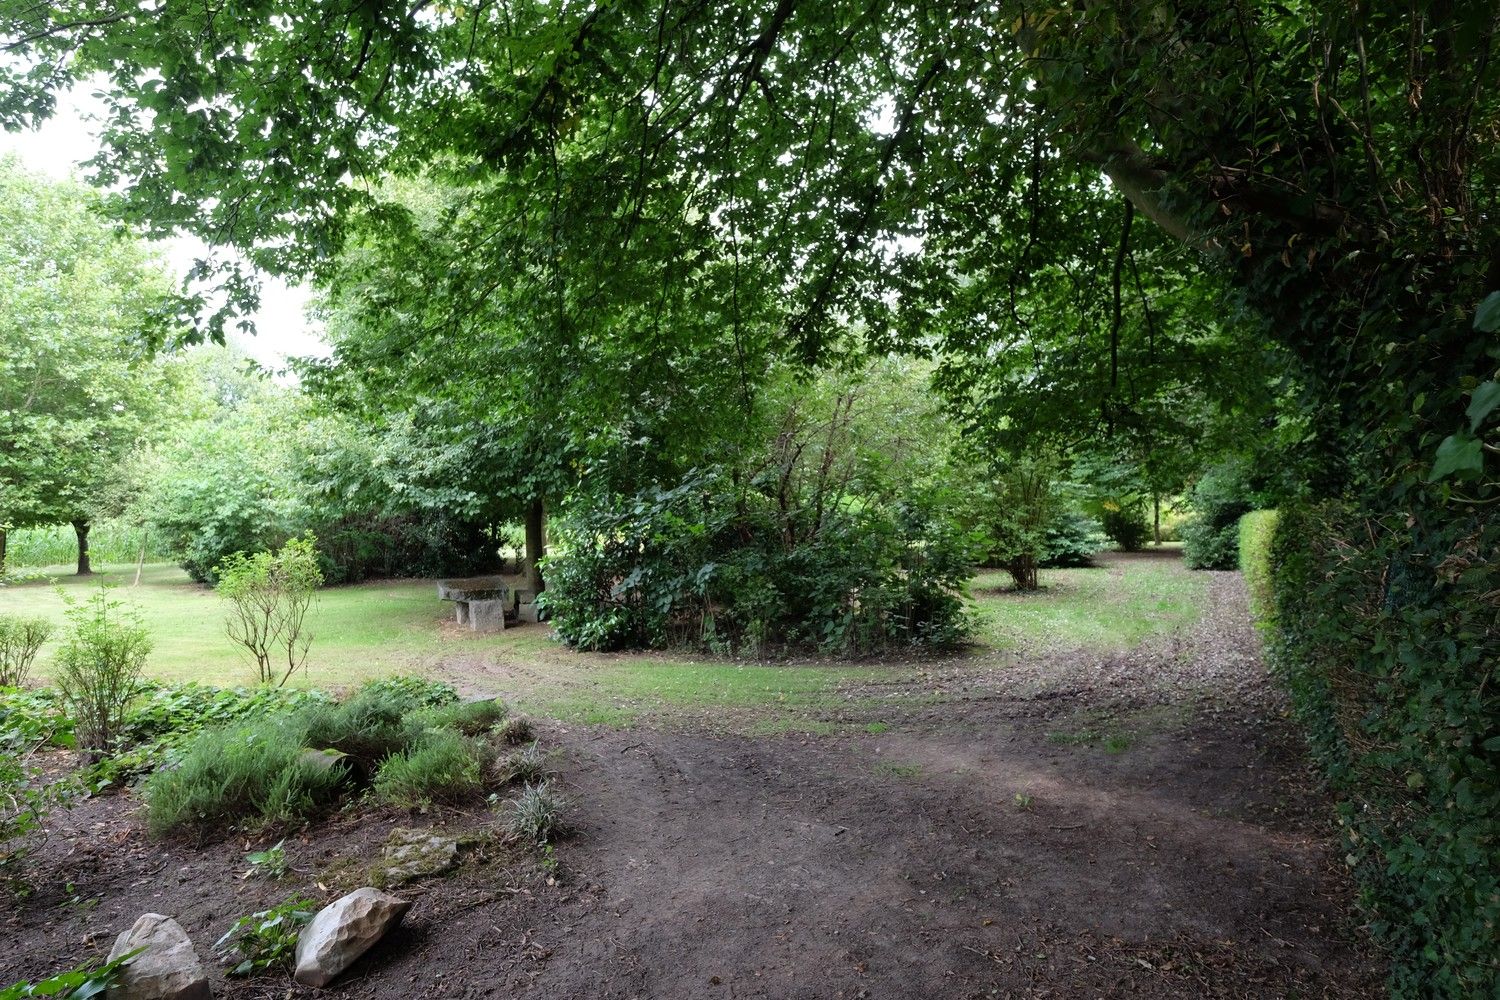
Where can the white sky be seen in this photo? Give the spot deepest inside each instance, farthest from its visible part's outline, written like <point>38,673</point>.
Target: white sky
<point>56,149</point>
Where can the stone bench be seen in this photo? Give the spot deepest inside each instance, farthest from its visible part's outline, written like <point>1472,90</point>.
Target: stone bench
<point>481,601</point>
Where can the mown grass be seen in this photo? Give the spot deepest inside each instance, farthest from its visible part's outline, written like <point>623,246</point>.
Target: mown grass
<point>359,633</point>
<point>378,629</point>
<point>1106,608</point>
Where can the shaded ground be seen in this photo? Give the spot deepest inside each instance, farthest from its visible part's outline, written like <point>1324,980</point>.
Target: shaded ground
<point>1034,822</point>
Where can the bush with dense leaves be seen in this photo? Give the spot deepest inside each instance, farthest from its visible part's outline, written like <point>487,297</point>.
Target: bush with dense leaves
<point>710,563</point>
<point>1124,523</point>
<point>1211,539</point>
<point>1071,539</point>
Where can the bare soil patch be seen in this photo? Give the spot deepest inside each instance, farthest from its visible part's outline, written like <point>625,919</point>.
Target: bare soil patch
<point>1141,824</point>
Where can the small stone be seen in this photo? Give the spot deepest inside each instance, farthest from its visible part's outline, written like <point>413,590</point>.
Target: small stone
<point>412,854</point>
<point>167,970</point>
<point>344,930</point>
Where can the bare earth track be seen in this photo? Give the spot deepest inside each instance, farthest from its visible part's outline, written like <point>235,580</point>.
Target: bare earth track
<point>994,842</point>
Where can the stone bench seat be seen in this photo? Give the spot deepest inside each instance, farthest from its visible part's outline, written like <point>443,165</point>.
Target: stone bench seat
<point>486,603</point>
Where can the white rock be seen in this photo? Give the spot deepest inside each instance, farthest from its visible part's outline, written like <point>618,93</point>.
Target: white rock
<point>344,930</point>
<point>167,970</point>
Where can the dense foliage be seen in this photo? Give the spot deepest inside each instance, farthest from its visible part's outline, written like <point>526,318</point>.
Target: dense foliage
<point>1320,180</point>
<point>1211,539</point>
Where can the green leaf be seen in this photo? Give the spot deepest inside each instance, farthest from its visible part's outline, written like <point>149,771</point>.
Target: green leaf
<point>1459,453</point>
<point>1487,316</point>
<point>1486,398</point>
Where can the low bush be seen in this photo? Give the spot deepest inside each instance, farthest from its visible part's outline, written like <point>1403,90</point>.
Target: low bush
<point>527,764</point>
<point>389,733</point>
<point>516,730</point>
<point>471,718</point>
<point>441,766</point>
<point>1256,530</point>
<point>99,670</point>
<point>253,771</point>
<point>89,979</point>
<point>20,640</point>
<point>267,596</point>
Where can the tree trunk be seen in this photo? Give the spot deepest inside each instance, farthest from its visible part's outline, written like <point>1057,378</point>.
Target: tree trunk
<point>1156,518</point>
<point>2,551</point>
<point>536,545</point>
<point>82,530</point>
<point>140,562</point>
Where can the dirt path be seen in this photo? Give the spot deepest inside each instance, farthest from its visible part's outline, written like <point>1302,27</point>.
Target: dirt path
<point>1134,825</point>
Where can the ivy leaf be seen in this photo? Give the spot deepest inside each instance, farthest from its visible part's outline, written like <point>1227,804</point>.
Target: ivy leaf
<point>1458,453</point>
<point>1487,316</point>
<point>1486,398</point>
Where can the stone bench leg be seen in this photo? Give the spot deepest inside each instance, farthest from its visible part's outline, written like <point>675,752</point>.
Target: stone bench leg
<point>462,612</point>
<point>487,616</point>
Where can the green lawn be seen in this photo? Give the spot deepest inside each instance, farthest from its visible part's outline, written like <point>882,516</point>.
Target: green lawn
<point>359,632</point>
<point>383,628</point>
<point>1112,607</point>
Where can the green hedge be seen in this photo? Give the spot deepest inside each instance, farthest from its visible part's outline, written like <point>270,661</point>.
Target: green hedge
<point>1387,633</point>
<point>1256,531</point>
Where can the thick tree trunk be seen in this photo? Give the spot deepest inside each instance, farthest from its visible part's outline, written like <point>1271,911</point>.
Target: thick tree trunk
<point>82,530</point>
<point>1156,518</point>
<point>536,545</point>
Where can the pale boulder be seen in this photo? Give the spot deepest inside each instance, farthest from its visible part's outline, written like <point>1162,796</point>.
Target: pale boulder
<point>344,930</point>
<point>167,970</point>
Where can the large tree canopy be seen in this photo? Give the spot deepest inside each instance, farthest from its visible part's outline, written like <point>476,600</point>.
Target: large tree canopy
<point>952,178</point>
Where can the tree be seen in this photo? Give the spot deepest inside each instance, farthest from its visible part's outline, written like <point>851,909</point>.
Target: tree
<point>1330,166</point>
<point>75,395</point>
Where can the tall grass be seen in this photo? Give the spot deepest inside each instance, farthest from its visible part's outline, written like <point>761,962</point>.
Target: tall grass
<point>57,545</point>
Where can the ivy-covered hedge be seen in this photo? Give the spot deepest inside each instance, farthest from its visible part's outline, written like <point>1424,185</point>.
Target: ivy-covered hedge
<point>1388,636</point>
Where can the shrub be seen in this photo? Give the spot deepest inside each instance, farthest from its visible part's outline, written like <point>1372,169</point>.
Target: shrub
<point>470,718</point>
<point>1071,538</point>
<point>1256,531</point>
<point>255,770</point>
<point>368,727</point>
<point>265,940</point>
<point>268,597</point>
<point>1124,523</point>
<point>442,766</point>
<point>1211,540</point>
<point>719,564</point>
<point>99,670</point>
<point>20,640</point>
<point>536,814</point>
